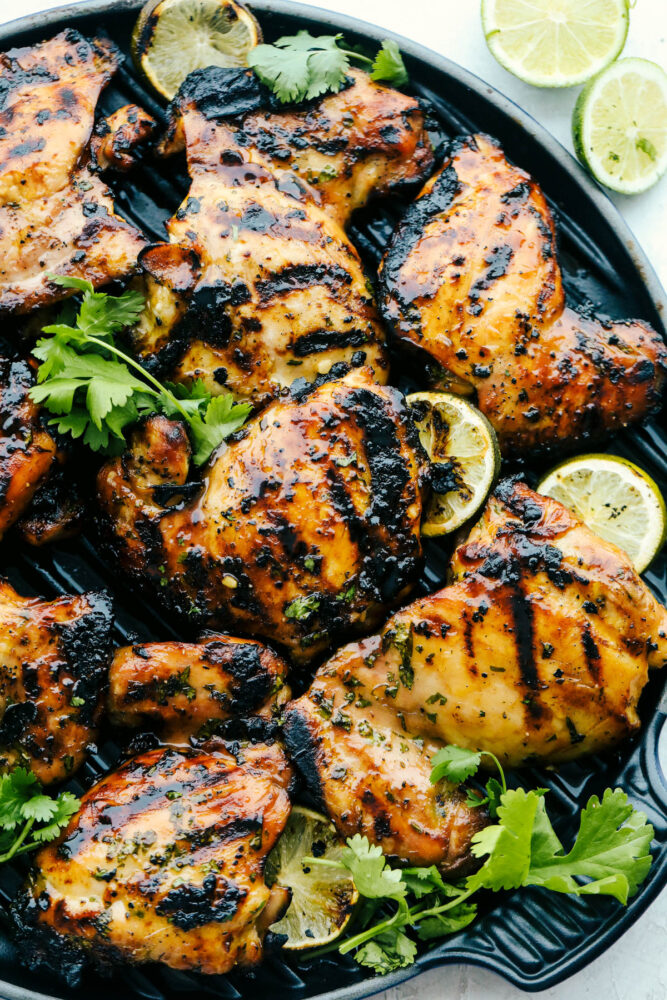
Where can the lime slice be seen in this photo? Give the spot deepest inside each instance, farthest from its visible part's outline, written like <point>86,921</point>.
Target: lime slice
<point>619,125</point>
<point>615,499</point>
<point>174,37</point>
<point>555,43</point>
<point>322,897</point>
<point>465,460</point>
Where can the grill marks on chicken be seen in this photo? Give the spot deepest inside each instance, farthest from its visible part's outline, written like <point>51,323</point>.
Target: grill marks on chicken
<point>368,764</point>
<point>53,663</point>
<point>306,526</point>
<point>163,863</point>
<point>539,650</point>
<point>56,215</point>
<point>364,142</point>
<point>192,689</point>
<point>471,277</point>
<point>269,287</point>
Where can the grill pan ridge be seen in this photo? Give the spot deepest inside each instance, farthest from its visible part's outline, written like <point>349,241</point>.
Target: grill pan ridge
<point>534,939</point>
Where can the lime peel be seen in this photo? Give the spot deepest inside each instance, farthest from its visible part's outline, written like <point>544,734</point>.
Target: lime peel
<point>615,499</point>
<point>619,125</point>
<point>555,43</point>
<point>323,897</point>
<point>459,439</point>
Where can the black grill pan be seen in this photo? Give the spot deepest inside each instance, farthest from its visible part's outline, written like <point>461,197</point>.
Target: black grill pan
<point>533,938</point>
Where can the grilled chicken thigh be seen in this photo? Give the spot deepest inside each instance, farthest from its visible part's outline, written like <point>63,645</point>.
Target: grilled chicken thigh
<point>538,650</point>
<point>306,525</point>
<point>192,689</point>
<point>163,863</point>
<point>53,664</point>
<point>265,286</point>
<point>27,450</point>
<point>364,142</point>
<point>471,277</point>
<point>56,214</point>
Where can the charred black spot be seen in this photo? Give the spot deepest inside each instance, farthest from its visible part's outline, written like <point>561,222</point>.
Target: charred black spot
<point>303,750</point>
<point>318,341</point>
<point>297,276</point>
<point>189,906</point>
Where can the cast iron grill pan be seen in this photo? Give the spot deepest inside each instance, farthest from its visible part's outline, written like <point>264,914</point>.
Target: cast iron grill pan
<point>532,938</point>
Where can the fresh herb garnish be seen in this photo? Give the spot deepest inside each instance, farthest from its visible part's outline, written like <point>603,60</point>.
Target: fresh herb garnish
<point>302,607</point>
<point>610,856</point>
<point>28,817</point>
<point>300,67</point>
<point>96,390</point>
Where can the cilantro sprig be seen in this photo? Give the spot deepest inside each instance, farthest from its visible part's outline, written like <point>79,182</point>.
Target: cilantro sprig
<point>610,856</point>
<point>96,390</point>
<point>300,67</point>
<point>28,817</point>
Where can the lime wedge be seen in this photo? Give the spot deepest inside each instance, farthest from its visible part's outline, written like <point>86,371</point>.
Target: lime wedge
<point>619,125</point>
<point>322,897</point>
<point>615,499</point>
<point>465,460</point>
<point>174,37</point>
<point>555,43</point>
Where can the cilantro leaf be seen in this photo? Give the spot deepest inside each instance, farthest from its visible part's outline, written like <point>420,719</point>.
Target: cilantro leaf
<point>16,790</point>
<point>441,924</point>
<point>424,881</point>
<point>611,848</point>
<point>508,843</point>
<point>454,763</point>
<point>90,385</point>
<point>392,949</point>
<point>302,66</point>
<point>222,417</point>
<point>389,66</point>
<point>40,808</point>
<point>23,807</point>
<point>65,806</point>
<point>368,866</point>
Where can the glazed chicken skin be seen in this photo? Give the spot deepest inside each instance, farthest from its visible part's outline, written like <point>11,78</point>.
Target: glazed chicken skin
<point>306,526</point>
<point>190,689</point>
<point>53,665</point>
<point>538,651</point>
<point>56,214</point>
<point>472,278</point>
<point>163,863</point>
<point>364,142</point>
<point>261,285</point>
<point>27,451</point>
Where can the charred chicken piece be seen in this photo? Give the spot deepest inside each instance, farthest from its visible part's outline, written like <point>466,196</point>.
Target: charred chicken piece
<point>27,450</point>
<point>472,277</point>
<point>305,528</point>
<point>53,666</point>
<point>538,651</point>
<point>272,289</point>
<point>58,509</point>
<point>163,863</point>
<point>190,689</point>
<point>116,139</point>
<point>364,142</point>
<point>56,214</point>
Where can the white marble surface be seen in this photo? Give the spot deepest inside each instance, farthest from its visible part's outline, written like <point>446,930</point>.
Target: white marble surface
<point>636,967</point>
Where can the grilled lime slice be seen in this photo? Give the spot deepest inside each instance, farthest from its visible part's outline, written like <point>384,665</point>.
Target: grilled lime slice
<point>555,43</point>
<point>174,37</point>
<point>322,898</point>
<point>615,499</point>
<point>619,125</point>
<point>465,460</point>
